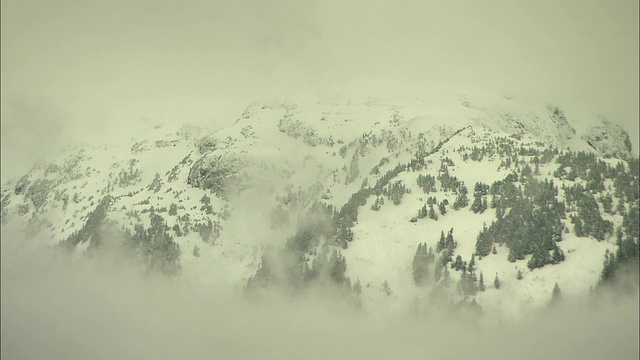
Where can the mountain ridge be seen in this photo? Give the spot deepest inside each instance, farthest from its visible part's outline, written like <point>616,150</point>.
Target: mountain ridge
<point>224,197</point>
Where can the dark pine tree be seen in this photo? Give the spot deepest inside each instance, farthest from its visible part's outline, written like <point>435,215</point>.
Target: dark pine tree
<point>450,243</point>
<point>441,243</point>
<point>357,288</point>
<point>442,207</point>
<point>421,262</point>
<point>432,213</point>
<point>608,268</point>
<point>556,294</point>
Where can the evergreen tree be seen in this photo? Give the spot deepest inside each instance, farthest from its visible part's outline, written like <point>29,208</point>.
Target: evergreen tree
<point>519,275</point>
<point>484,241</point>
<point>577,226</point>
<point>476,206</point>
<point>376,204</point>
<point>479,204</point>
<point>512,257</point>
<point>481,283</point>
<point>206,231</point>
<point>421,262</point>
<point>631,222</point>
<point>431,257</point>
<point>496,282</point>
<point>539,259</point>
<point>446,276</point>
<point>423,212</point>
<point>558,255</point>
<point>607,203</point>
<point>441,243</point>
<point>461,200</point>
<point>608,268</point>
<point>337,267</point>
<point>432,213</point>
<point>458,263</point>
<point>463,283</point>
<point>206,204</point>
<point>177,230</point>
<point>346,285</point>
<point>620,208</point>
<point>526,173</point>
<point>395,192</point>
<point>442,207</point>
<point>438,270</point>
<point>589,221</point>
<point>157,246</point>
<point>427,183</point>
<point>450,243</point>
<point>556,294</point>
<point>467,284</point>
<point>357,288</point>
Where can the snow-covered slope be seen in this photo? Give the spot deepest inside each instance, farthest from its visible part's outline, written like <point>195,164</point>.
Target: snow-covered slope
<point>227,196</point>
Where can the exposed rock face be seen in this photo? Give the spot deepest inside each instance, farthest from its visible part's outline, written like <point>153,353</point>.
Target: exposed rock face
<point>215,173</point>
<point>565,130</point>
<point>609,140</point>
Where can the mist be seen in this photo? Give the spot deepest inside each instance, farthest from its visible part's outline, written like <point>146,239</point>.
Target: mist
<point>76,70</point>
<point>105,307</point>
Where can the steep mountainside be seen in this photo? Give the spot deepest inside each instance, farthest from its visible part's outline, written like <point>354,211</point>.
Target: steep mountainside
<point>480,202</point>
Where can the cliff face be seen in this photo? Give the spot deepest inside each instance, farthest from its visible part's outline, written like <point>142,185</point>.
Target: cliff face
<point>609,140</point>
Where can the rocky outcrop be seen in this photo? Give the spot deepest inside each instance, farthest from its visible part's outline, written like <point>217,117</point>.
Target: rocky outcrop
<point>609,140</point>
<point>216,173</point>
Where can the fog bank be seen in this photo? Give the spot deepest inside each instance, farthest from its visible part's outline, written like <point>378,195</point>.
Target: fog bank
<point>106,308</point>
<point>75,69</point>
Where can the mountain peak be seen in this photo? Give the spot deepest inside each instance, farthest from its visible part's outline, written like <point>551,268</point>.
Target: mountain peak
<point>330,181</point>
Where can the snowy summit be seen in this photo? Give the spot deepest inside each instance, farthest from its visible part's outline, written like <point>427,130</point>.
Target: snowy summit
<point>488,203</point>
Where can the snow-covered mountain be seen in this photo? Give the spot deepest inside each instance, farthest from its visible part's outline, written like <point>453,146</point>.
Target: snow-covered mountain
<point>355,193</point>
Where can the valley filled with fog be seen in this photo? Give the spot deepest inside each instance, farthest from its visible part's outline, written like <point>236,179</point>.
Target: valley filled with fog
<point>107,308</point>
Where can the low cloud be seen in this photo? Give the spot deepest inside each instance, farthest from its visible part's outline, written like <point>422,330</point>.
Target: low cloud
<point>90,68</point>
<point>55,307</point>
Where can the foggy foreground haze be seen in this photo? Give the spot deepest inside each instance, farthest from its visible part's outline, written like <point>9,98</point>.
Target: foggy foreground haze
<point>54,307</point>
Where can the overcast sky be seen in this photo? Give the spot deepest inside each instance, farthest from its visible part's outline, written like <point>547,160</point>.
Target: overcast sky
<point>79,68</point>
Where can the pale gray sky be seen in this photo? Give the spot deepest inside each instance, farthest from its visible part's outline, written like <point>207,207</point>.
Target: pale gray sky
<point>75,68</point>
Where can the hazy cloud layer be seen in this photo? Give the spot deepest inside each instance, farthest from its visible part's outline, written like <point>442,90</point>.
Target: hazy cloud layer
<point>104,308</point>
<point>76,69</point>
